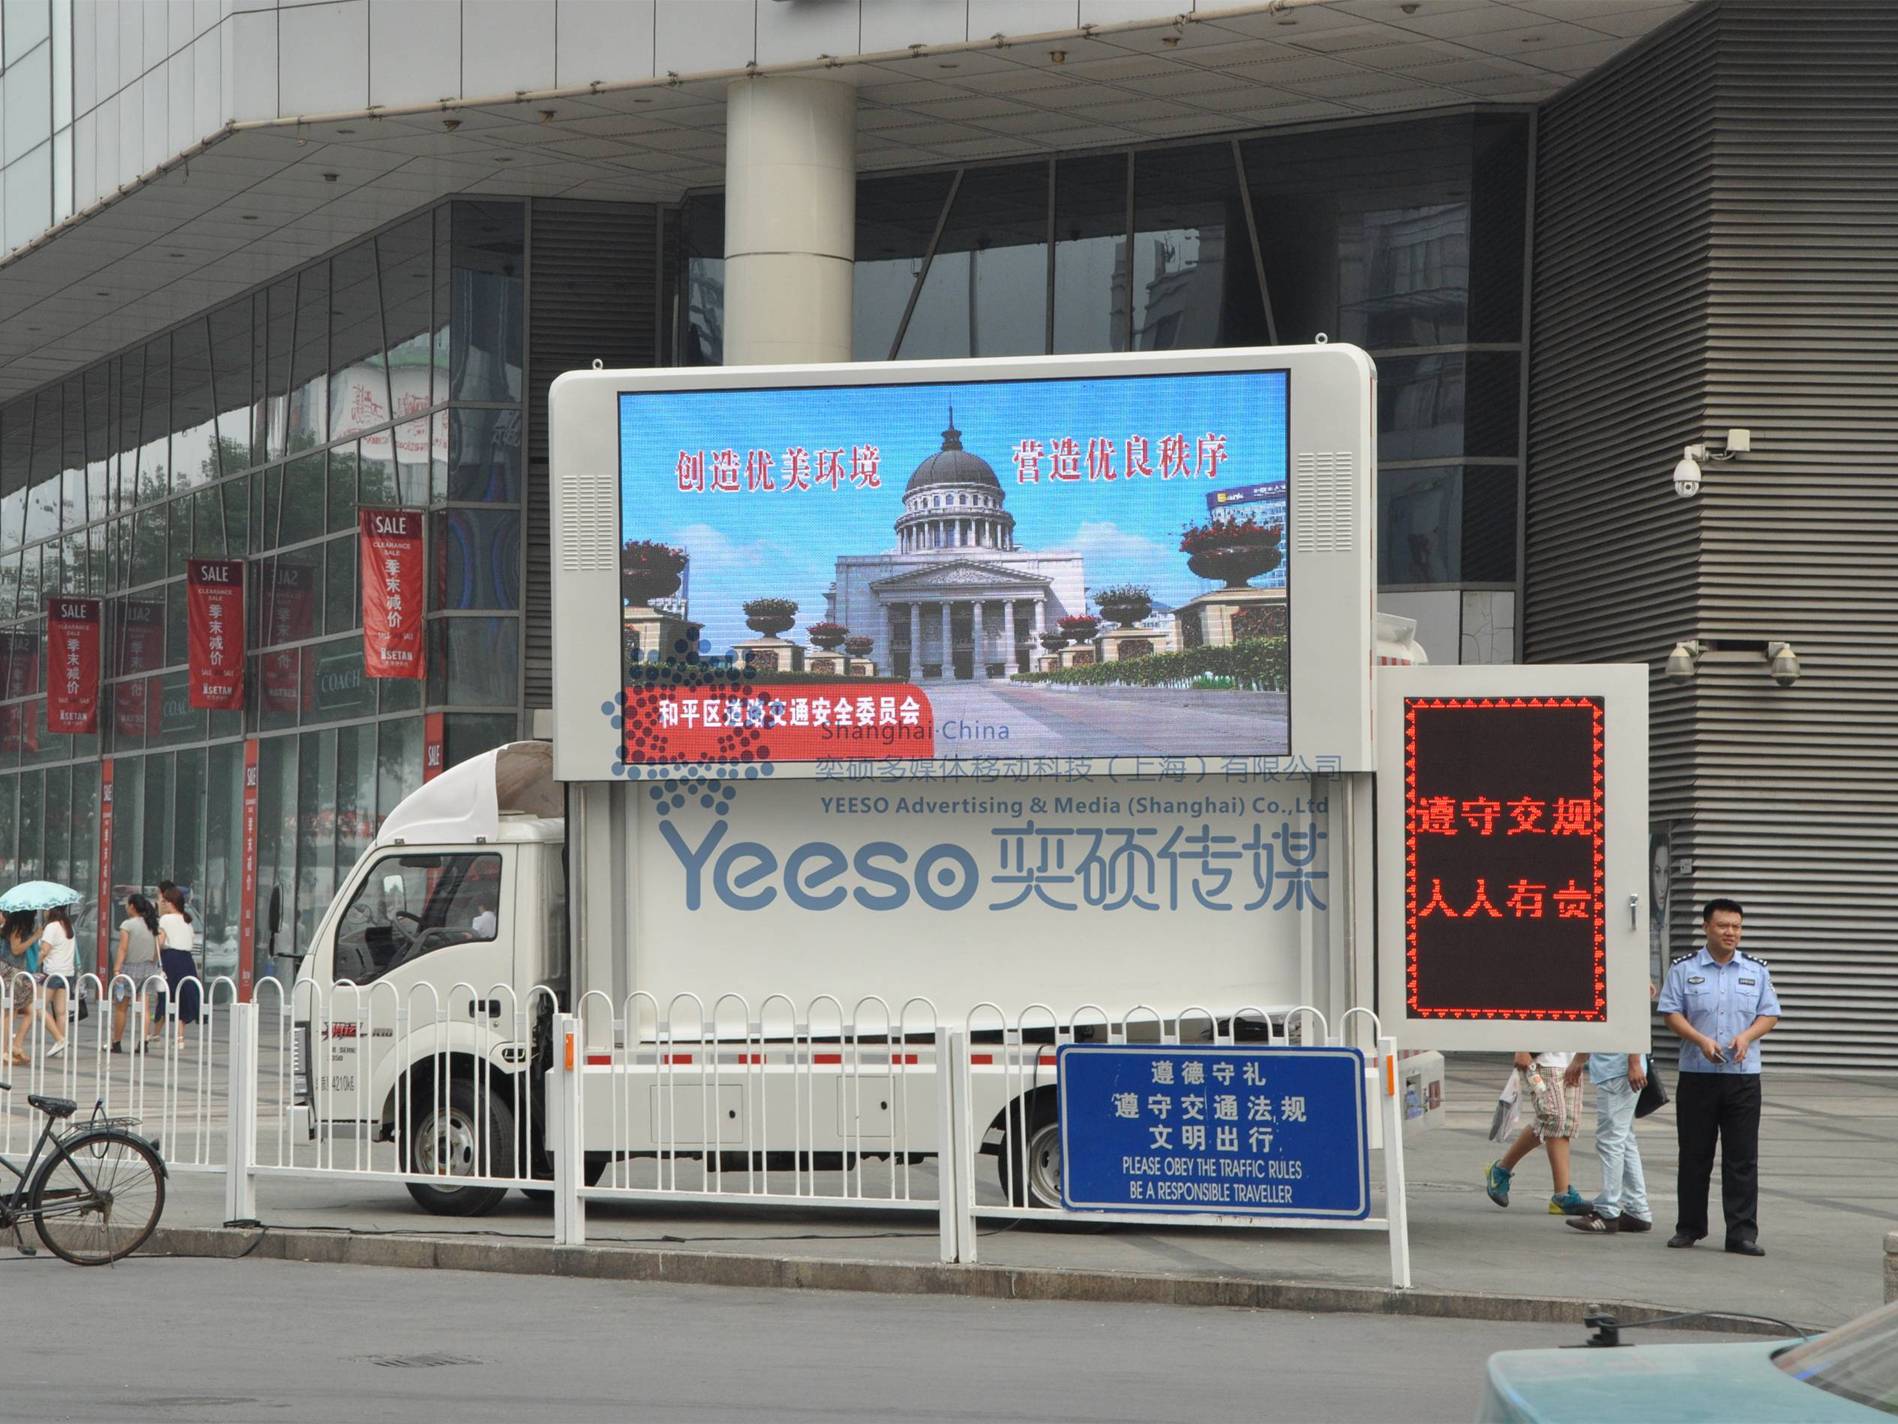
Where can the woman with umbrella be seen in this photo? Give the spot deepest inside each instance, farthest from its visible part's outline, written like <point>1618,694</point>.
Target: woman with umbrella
<point>20,903</point>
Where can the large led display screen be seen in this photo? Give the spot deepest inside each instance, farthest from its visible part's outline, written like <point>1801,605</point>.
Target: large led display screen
<point>1504,911</point>
<point>1024,568</point>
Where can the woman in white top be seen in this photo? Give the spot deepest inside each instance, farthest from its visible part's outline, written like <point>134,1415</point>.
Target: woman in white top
<point>59,967</point>
<point>175,941</point>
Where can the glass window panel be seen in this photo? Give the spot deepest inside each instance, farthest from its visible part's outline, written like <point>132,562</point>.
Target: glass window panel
<point>155,843</point>
<point>9,811</point>
<point>9,584</point>
<point>1194,282</point>
<point>484,455</point>
<point>1490,494</point>
<point>29,185</point>
<point>31,584</point>
<point>896,217</point>
<point>97,414</point>
<point>175,632</point>
<point>1420,407</point>
<point>128,827</point>
<point>474,661</point>
<point>58,825</point>
<point>150,532</point>
<point>421,451</point>
<point>20,661</point>
<point>219,888</point>
<point>403,254</point>
<point>193,408</point>
<point>1419,526</point>
<point>340,602</point>
<point>478,558</point>
<point>355,792</point>
<point>465,736</point>
<point>339,689</point>
<point>72,463</point>
<point>485,357</point>
<point>32,825</point>
<point>308,412</point>
<point>207,523</point>
<point>376,481</point>
<point>401,694</point>
<point>138,635</point>
<point>443,304</point>
<point>359,381</point>
<point>292,597</point>
<point>1499,203</point>
<point>16,459</point>
<point>236,497</point>
<point>179,721</point>
<point>83,861</point>
<point>72,563</point>
<point>1365,231</point>
<point>316,833</point>
<point>187,825</point>
<point>154,426</point>
<point>44,484</point>
<point>128,375</point>
<point>277,331</point>
<point>398,764</point>
<point>342,491</point>
<point>279,689</point>
<point>1090,276</point>
<point>305,491</point>
<point>268,503</point>
<point>986,293</point>
<point>702,249</point>
<point>232,353</point>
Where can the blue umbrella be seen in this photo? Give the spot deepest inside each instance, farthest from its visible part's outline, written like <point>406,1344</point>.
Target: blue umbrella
<point>38,895</point>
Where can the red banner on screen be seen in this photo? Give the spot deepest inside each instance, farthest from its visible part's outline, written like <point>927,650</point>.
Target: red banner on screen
<point>19,677</point>
<point>141,642</point>
<point>777,722</point>
<point>391,564</point>
<point>214,611</point>
<point>72,664</point>
<point>247,897</point>
<point>290,616</point>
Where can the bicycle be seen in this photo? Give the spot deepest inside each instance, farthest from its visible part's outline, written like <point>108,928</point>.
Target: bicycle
<point>97,1198</point>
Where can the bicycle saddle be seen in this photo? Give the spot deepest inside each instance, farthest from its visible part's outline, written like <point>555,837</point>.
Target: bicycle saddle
<point>53,1107</point>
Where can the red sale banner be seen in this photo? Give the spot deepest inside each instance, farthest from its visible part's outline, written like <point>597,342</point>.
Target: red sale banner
<point>72,664</point>
<point>108,915</point>
<point>247,894</point>
<point>141,642</point>
<point>214,616</point>
<point>391,564</point>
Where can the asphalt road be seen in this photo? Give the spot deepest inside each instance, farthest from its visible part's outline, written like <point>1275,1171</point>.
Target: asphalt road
<point>156,1339</point>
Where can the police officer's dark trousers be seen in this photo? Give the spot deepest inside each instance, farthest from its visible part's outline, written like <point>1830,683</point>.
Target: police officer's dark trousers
<point>1725,1106</point>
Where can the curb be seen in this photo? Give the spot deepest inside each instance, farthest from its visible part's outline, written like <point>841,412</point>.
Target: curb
<point>703,1268</point>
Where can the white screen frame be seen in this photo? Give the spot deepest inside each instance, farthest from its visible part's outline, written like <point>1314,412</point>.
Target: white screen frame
<point>1331,406</point>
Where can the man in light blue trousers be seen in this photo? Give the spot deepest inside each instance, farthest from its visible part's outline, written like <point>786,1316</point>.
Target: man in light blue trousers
<point>1623,1202</point>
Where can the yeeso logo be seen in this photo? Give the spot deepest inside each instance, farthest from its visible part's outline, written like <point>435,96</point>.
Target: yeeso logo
<point>748,875</point>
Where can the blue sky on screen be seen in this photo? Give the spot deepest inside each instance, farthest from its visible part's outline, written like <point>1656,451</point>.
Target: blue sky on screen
<point>750,544</point>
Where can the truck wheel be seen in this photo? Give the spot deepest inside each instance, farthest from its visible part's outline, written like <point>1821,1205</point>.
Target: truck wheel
<point>447,1136</point>
<point>1031,1174</point>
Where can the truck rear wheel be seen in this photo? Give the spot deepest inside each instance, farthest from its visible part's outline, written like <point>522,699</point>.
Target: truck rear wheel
<point>1029,1165</point>
<point>448,1137</point>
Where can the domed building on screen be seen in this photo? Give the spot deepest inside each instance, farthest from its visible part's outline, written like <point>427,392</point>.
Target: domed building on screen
<point>957,599</point>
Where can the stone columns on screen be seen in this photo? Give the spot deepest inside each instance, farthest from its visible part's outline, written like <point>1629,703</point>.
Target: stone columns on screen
<point>790,219</point>
<point>1009,657</point>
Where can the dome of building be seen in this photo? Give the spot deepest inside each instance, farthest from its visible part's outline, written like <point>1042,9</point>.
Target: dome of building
<point>952,465</point>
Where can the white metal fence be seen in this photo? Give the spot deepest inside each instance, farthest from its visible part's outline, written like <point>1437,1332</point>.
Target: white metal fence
<point>461,1095</point>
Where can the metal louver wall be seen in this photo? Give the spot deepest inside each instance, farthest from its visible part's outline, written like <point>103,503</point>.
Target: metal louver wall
<point>592,295</point>
<point>1717,246</point>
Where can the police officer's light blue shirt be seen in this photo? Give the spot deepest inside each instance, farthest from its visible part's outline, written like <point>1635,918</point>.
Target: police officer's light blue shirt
<point>1719,1000</point>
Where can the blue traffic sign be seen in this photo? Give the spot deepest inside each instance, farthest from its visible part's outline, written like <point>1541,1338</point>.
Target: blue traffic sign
<point>1219,499</point>
<point>1237,1131</point>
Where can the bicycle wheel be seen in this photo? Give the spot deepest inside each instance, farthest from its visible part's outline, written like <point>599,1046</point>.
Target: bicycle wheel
<point>98,1197</point>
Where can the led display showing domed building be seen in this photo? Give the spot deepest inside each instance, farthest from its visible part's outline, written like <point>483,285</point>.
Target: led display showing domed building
<point>957,599</point>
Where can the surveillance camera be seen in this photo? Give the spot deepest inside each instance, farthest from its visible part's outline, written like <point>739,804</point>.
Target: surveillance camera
<point>1681,662</point>
<point>1687,475</point>
<point>1783,663</point>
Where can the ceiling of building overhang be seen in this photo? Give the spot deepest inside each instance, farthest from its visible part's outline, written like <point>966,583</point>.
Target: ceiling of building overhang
<point>258,200</point>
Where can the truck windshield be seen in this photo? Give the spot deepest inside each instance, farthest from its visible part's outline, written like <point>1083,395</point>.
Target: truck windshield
<point>412,905</point>
<point>1859,1360</point>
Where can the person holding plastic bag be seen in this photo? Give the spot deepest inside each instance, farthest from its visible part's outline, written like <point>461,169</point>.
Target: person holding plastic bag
<point>1556,1108</point>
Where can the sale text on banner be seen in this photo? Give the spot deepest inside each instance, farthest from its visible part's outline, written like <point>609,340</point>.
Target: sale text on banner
<point>391,562</point>
<point>214,592</point>
<point>72,664</point>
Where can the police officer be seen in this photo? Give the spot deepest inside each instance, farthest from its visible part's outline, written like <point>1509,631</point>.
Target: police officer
<point>1721,1003</point>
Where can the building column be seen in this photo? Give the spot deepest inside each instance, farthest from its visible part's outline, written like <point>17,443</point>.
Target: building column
<point>981,668</point>
<point>948,647</point>
<point>790,219</point>
<point>1008,637</point>
<point>915,641</point>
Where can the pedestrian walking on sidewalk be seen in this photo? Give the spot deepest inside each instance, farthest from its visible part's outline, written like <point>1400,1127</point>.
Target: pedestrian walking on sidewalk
<point>134,966</point>
<point>1623,1202</point>
<point>1721,1003</point>
<point>1557,1106</point>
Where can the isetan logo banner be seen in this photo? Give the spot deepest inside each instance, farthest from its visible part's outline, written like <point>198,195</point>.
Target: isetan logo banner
<point>72,665</point>
<point>214,594</point>
<point>391,559</point>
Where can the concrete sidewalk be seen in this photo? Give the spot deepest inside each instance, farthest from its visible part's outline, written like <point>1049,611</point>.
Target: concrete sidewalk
<point>1829,1152</point>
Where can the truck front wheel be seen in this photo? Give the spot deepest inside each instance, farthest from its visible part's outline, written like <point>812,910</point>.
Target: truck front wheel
<point>448,1137</point>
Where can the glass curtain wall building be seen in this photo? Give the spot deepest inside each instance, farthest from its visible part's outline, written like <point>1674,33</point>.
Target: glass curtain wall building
<point>1406,237</point>
<point>388,373</point>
